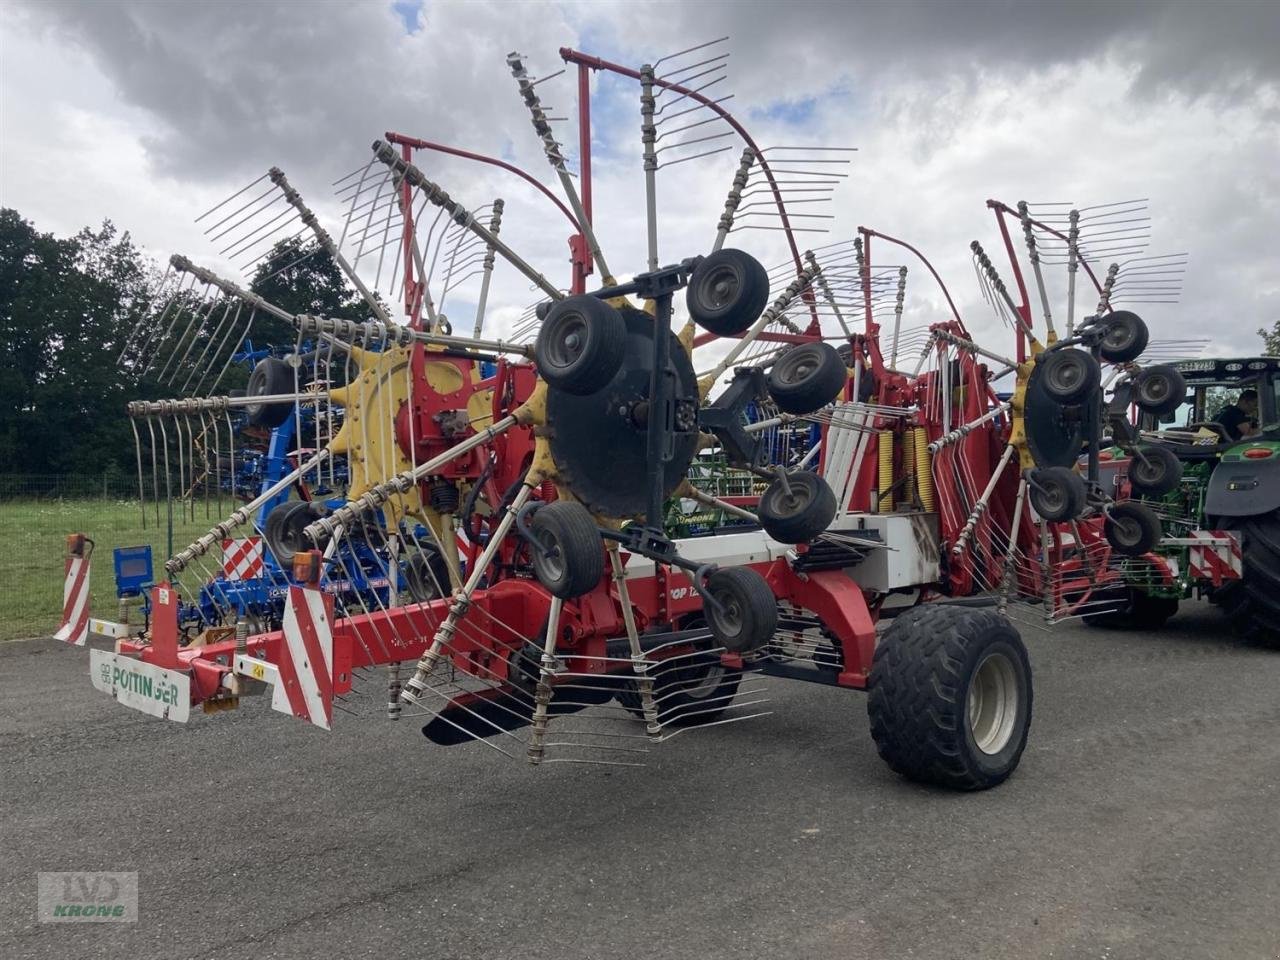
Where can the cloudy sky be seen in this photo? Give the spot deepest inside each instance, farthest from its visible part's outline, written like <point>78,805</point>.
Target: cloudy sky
<point>148,113</point>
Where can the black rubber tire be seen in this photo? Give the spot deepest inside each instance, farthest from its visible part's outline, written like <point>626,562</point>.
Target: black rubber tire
<point>1132,528</point>
<point>1253,602</point>
<point>1060,494</point>
<point>568,558</point>
<point>1125,337</point>
<point>1159,389</point>
<point>580,345</point>
<point>919,695</point>
<point>727,292</point>
<point>751,616</point>
<point>806,378</point>
<point>270,376</point>
<point>1160,474</point>
<point>426,576</point>
<point>1069,375</point>
<point>283,530</point>
<point>687,690</point>
<point>1128,608</point>
<point>800,517</point>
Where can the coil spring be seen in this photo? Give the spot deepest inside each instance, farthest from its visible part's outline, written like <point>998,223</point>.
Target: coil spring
<point>443,496</point>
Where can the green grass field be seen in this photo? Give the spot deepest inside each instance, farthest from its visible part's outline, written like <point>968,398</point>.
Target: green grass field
<point>33,533</point>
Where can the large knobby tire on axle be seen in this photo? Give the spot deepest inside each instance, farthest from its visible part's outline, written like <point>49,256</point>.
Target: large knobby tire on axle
<point>1253,602</point>
<point>580,345</point>
<point>568,555</point>
<point>1069,375</point>
<point>1124,338</point>
<point>798,511</point>
<point>270,377</point>
<point>1154,471</point>
<point>1128,608</point>
<point>950,696</point>
<point>806,378</point>
<point>688,689</point>
<point>748,613</point>
<point>1057,493</point>
<point>727,292</point>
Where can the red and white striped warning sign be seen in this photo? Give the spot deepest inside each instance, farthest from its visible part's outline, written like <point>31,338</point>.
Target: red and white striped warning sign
<point>75,602</point>
<point>1216,557</point>
<point>305,688</point>
<point>242,559</point>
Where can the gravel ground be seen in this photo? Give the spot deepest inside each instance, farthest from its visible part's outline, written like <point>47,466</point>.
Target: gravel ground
<point>1143,822</point>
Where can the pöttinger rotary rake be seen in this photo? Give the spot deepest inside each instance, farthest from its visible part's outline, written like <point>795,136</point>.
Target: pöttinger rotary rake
<point>501,543</point>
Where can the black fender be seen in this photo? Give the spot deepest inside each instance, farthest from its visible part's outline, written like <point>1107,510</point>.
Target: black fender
<point>1240,487</point>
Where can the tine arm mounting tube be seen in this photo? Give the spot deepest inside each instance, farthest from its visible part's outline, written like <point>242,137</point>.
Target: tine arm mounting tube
<point>180,560</point>
<point>326,241</point>
<point>348,514</point>
<point>460,214</point>
<point>552,149</point>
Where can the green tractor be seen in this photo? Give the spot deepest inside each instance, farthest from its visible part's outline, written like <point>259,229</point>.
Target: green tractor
<point>1209,463</point>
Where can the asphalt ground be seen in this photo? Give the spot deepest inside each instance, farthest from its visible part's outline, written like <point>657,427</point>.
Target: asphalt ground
<point>1144,821</point>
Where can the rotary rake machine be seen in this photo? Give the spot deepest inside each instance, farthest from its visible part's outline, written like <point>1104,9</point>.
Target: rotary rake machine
<point>513,492</point>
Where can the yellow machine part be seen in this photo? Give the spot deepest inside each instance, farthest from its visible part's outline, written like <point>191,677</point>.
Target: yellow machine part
<point>368,437</point>
<point>884,477</point>
<point>924,469</point>
<point>909,465</point>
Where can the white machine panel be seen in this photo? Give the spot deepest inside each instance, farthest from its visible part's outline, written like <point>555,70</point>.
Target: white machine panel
<point>909,556</point>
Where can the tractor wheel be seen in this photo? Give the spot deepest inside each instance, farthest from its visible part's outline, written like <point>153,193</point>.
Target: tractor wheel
<point>580,345</point>
<point>1154,471</point>
<point>1132,528</point>
<point>748,613</point>
<point>1159,389</point>
<point>1125,337</point>
<point>687,690</point>
<point>1127,608</point>
<point>426,576</point>
<point>950,696</point>
<point>727,292</point>
<point>568,557</point>
<point>1057,493</point>
<point>1069,375</point>
<point>807,378</point>
<point>802,513</point>
<point>269,377</point>
<point>1253,601</point>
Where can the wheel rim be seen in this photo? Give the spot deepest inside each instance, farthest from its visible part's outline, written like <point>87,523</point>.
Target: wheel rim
<point>1066,375</point>
<point>570,339</point>
<point>1127,532</point>
<point>1156,390</point>
<point>1053,498</point>
<point>550,559</point>
<point>789,505</point>
<point>994,700</point>
<point>1149,474</point>
<point>796,369</point>
<point>720,287</point>
<point>698,682</point>
<point>1120,337</point>
<point>729,618</point>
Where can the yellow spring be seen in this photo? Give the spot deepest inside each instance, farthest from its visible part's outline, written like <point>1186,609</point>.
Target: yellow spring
<point>912,496</point>
<point>885,479</point>
<point>924,472</point>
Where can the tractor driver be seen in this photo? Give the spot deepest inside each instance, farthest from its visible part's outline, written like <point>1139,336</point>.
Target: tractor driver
<point>1240,419</point>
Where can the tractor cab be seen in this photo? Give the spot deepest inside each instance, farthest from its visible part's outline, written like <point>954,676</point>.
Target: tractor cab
<point>1209,421</point>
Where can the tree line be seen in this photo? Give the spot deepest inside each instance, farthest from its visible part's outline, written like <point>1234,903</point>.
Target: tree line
<point>71,308</point>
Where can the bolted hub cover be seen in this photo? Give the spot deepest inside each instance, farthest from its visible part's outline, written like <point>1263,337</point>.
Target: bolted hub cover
<point>599,441</point>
